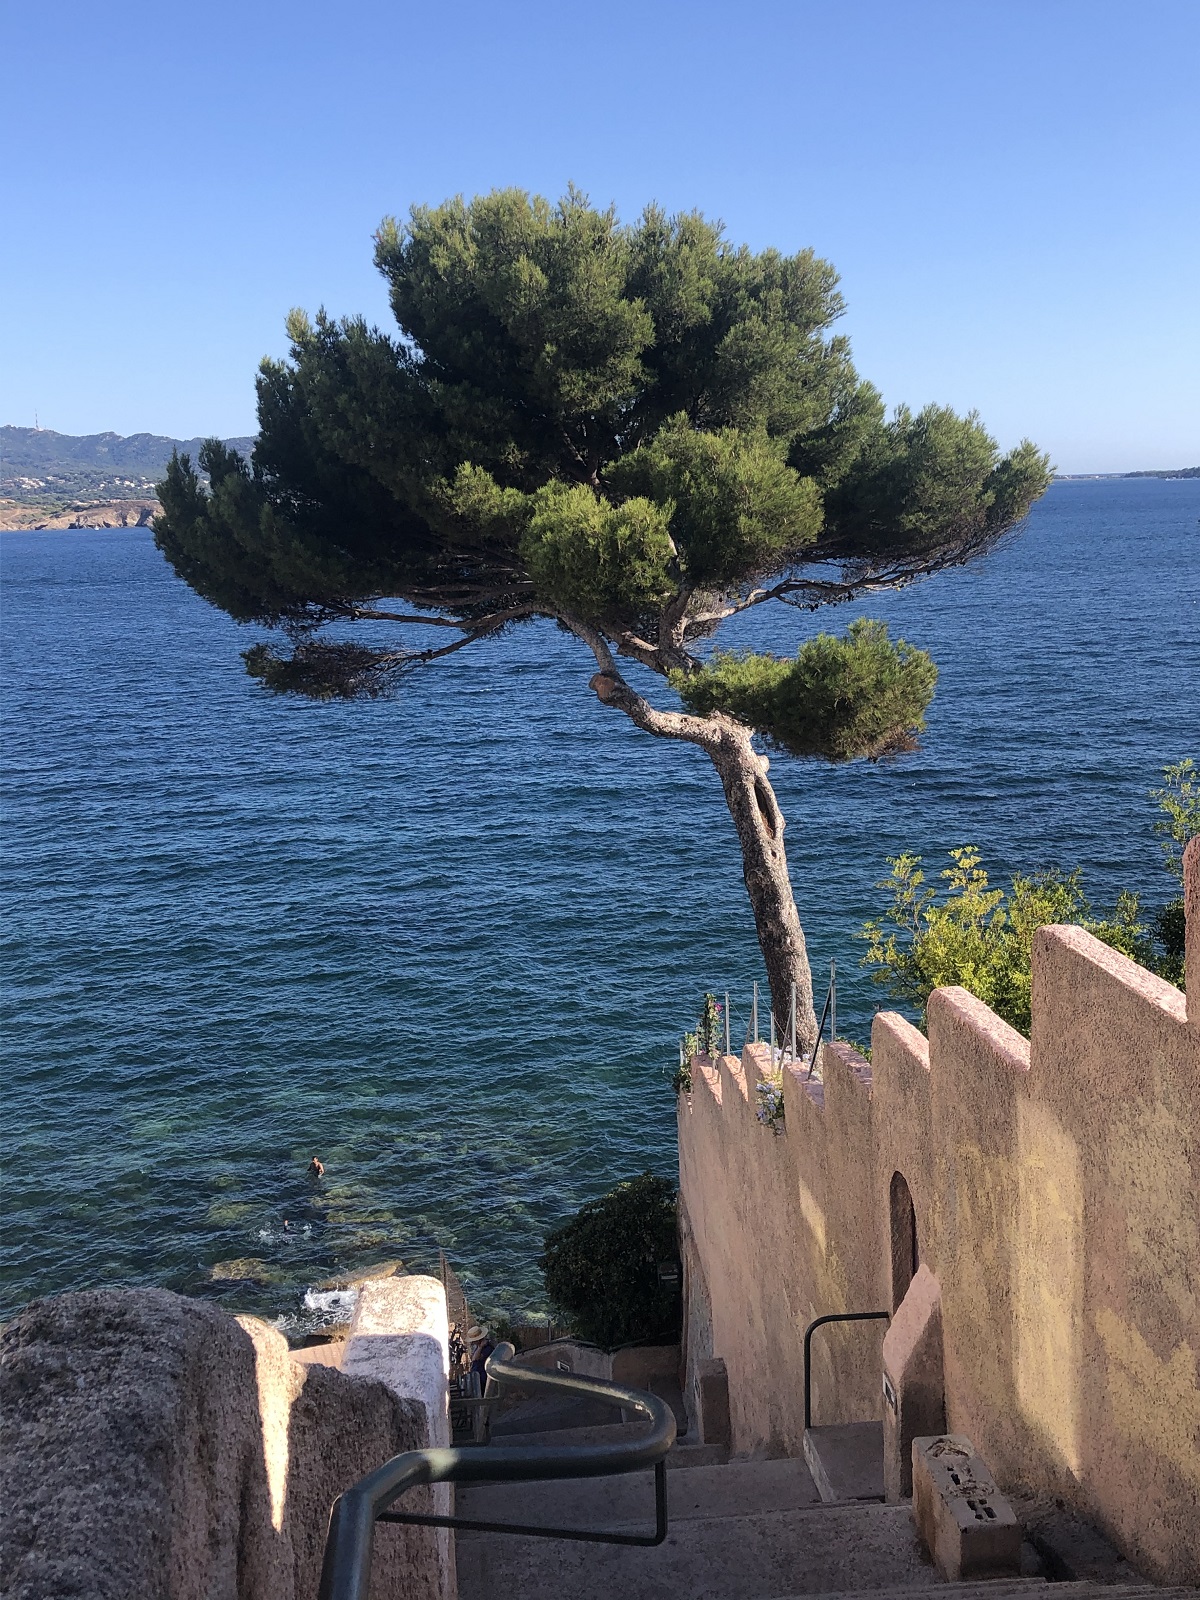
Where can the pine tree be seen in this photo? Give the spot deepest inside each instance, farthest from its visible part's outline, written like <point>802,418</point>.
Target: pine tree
<point>638,431</point>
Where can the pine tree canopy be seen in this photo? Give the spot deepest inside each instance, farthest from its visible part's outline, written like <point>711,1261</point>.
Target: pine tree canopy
<point>639,430</point>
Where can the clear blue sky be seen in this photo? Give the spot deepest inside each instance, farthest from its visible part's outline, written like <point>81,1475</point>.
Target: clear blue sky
<point>1009,188</point>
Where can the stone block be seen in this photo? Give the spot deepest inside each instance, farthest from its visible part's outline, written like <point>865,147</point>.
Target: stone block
<point>965,1523</point>
<point>913,1383</point>
<point>712,1385</point>
<point>155,1446</point>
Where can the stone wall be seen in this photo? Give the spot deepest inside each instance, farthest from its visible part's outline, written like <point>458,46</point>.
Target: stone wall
<point>1055,1187</point>
<point>155,1446</point>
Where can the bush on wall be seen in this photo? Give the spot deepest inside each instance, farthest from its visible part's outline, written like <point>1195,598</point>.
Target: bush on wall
<point>601,1267</point>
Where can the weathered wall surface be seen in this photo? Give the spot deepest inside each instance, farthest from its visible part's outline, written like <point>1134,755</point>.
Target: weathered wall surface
<point>1056,1189</point>
<point>156,1446</point>
<point>780,1230</point>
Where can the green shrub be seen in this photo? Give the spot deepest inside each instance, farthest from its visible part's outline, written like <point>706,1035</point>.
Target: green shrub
<point>982,938</point>
<point>601,1267</point>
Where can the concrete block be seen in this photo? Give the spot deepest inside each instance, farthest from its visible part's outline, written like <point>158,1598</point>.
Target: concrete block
<point>965,1523</point>
<point>913,1383</point>
<point>712,1384</point>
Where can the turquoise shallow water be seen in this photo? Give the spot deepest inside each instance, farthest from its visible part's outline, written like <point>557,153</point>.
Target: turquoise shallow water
<point>449,941</point>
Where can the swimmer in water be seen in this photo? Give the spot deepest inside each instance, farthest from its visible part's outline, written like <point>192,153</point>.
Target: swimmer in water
<point>316,1167</point>
<point>287,1227</point>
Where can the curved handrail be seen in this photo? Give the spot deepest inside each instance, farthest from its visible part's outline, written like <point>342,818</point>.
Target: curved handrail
<point>836,1316</point>
<point>346,1571</point>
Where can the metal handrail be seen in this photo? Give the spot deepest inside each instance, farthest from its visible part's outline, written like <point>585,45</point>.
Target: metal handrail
<point>346,1571</point>
<point>837,1316</point>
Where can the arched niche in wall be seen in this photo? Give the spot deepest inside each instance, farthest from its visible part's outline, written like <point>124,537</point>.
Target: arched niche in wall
<point>906,1254</point>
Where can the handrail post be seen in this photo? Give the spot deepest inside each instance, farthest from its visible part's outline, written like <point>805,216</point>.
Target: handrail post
<point>820,1030</point>
<point>727,1049</point>
<point>792,1040</point>
<point>833,1002</point>
<point>754,1012</point>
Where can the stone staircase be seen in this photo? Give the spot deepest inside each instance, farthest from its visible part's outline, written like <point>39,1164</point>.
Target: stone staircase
<point>739,1530</point>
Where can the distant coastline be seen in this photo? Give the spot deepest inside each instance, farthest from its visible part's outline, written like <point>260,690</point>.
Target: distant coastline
<point>31,517</point>
<point>56,481</point>
<point>1167,474</point>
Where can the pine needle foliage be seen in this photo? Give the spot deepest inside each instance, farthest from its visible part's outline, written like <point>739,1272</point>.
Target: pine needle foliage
<point>860,694</point>
<point>641,426</point>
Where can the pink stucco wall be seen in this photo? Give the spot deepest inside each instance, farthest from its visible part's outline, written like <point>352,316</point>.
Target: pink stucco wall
<point>1056,1187</point>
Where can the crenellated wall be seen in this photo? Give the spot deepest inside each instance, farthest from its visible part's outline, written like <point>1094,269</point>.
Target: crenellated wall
<point>1055,1186</point>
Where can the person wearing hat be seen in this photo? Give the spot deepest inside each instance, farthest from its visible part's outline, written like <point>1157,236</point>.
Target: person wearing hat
<point>480,1347</point>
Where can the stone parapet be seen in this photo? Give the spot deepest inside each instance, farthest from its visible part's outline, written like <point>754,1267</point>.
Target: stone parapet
<point>155,1445</point>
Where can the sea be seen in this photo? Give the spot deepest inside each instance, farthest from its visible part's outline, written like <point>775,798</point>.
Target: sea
<point>449,941</point>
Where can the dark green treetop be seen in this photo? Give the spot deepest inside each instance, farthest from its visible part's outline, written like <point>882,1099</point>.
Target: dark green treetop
<point>580,416</point>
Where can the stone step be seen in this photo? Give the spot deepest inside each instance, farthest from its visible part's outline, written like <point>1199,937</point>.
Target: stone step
<point>1008,1589</point>
<point>816,1550</point>
<point>846,1460</point>
<point>734,1490</point>
<point>550,1413</point>
<point>553,1413</point>
<point>934,1589</point>
<point>683,1453</point>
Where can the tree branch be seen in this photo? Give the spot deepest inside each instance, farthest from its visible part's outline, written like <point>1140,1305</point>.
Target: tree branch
<point>474,625</point>
<point>372,614</point>
<point>629,644</point>
<point>611,689</point>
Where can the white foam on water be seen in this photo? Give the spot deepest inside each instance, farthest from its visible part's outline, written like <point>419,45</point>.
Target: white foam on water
<point>334,1304</point>
<point>285,1235</point>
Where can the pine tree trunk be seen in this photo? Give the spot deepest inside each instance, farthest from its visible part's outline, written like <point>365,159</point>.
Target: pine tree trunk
<point>759,823</point>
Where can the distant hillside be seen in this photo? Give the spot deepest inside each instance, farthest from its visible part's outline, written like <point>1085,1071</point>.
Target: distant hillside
<point>53,471</point>
<point>1169,473</point>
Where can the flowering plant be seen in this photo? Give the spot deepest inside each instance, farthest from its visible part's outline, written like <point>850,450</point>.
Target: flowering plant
<point>710,1027</point>
<point>705,1041</point>
<point>770,1102</point>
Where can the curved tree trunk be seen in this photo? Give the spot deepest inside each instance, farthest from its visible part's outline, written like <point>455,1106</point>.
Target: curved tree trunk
<point>757,819</point>
<point>759,823</point>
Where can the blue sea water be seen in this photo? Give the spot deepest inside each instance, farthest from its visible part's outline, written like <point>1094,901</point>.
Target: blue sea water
<point>449,941</point>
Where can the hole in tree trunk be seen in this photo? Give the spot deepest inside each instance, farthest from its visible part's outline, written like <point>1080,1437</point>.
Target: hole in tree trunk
<point>765,809</point>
